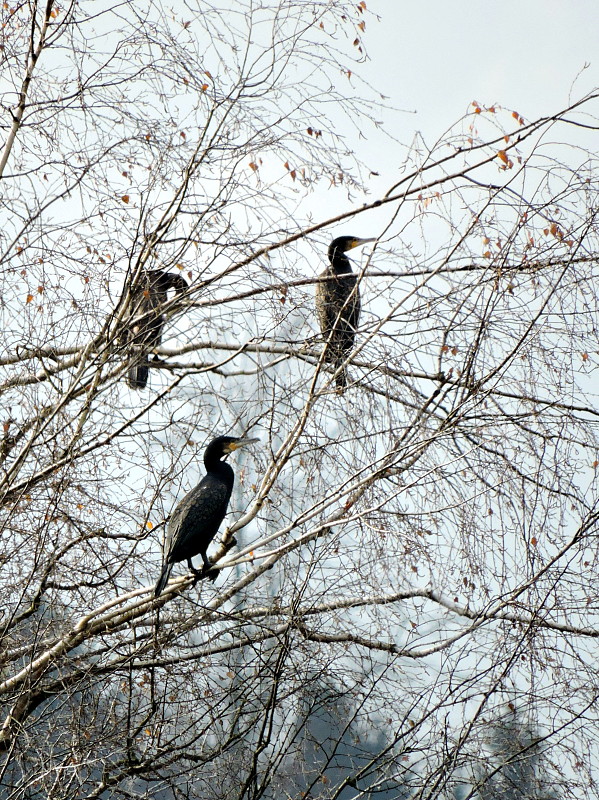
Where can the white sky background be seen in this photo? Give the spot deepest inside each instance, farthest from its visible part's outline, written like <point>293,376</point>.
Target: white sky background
<point>433,58</point>
<point>436,57</point>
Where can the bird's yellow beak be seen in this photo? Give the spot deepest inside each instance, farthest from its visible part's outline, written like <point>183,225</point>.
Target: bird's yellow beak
<point>358,242</point>
<point>240,443</point>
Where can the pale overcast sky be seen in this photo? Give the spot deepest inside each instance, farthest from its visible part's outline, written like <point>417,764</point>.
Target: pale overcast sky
<point>434,56</point>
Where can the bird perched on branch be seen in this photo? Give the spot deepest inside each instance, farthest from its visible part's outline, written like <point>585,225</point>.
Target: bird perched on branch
<point>145,320</point>
<point>338,304</point>
<point>196,520</point>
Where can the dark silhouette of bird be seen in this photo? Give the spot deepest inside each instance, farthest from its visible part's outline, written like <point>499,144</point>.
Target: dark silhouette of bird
<point>338,304</point>
<point>145,320</point>
<point>196,520</point>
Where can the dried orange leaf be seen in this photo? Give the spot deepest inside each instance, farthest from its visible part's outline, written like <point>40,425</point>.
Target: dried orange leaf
<point>253,165</point>
<point>125,198</point>
<point>503,156</point>
<point>29,298</point>
<point>149,525</point>
<point>362,25</point>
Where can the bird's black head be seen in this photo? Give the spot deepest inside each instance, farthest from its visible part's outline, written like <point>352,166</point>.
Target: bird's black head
<point>344,243</point>
<point>223,445</point>
<point>163,281</point>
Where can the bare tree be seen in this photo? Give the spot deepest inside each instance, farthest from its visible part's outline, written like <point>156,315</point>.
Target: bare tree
<point>411,554</point>
<point>515,768</point>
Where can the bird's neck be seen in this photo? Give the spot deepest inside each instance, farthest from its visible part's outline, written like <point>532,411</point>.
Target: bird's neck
<point>215,465</point>
<point>340,264</point>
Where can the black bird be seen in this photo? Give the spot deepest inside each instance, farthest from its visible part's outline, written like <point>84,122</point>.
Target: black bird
<point>338,304</point>
<point>196,520</point>
<point>145,321</point>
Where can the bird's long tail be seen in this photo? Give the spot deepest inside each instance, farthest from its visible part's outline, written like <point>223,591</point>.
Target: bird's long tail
<point>341,378</point>
<point>162,580</point>
<point>139,370</point>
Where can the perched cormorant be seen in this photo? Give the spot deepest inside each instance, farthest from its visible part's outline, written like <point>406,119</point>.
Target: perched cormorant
<point>338,304</point>
<point>145,321</point>
<point>196,520</point>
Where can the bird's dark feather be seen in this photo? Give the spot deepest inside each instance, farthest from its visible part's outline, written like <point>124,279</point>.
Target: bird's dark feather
<point>197,518</point>
<point>338,307</point>
<point>195,521</point>
<point>145,322</point>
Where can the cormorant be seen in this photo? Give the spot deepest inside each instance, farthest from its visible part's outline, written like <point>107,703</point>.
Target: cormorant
<point>196,520</point>
<point>338,304</point>
<point>145,324</point>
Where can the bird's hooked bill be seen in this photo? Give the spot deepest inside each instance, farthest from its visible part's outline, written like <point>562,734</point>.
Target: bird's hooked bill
<point>243,442</point>
<point>358,242</point>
